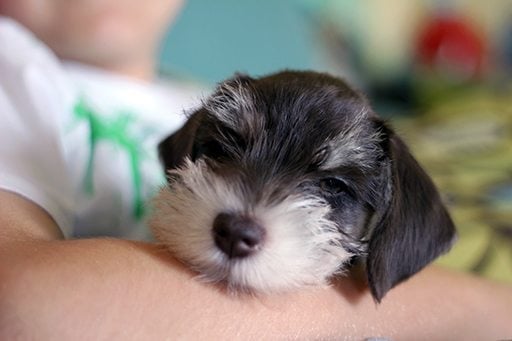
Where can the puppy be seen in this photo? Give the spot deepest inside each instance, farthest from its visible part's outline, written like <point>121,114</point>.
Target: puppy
<point>283,181</point>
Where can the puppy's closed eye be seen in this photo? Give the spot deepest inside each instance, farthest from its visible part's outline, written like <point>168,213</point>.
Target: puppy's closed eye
<point>302,159</point>
<point>211,148</point>
<point>223,145</point>
<point>332,186</point>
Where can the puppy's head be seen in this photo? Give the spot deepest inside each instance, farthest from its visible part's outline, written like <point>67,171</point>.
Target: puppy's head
<point>278,182</point>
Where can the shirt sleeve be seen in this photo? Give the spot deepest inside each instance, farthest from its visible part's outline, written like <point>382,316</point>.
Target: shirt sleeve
<point>35,99</point>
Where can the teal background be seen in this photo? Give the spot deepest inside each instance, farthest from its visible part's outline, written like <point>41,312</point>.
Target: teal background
<point>213,39</point>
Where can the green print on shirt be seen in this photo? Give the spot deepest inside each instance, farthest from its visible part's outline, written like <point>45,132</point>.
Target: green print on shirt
<point>114,131</point>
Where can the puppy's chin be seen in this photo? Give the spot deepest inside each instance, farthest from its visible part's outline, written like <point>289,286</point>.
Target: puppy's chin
<point>301,247</point>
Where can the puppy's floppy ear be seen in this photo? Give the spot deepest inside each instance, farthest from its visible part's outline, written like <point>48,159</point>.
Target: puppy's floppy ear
<point>414,229</point>
<point>176,147</point>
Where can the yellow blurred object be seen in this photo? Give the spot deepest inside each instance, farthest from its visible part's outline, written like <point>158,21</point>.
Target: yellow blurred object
<point>465,143</point>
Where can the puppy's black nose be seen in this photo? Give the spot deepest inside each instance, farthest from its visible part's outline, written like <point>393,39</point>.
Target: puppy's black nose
<point>238,236</point>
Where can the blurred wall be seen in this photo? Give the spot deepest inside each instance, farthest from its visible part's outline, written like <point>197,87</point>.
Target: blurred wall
<point>213,39</point>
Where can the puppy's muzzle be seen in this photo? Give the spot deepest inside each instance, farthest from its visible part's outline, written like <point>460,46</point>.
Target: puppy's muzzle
<point>237,235</point>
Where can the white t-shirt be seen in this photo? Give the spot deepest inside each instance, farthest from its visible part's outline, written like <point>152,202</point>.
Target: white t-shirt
<point>81,142</point>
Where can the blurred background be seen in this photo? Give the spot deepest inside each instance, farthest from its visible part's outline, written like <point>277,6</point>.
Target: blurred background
<point>441,71</point>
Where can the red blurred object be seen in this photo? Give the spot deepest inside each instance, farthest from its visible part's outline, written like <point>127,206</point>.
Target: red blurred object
<point>451,46</point>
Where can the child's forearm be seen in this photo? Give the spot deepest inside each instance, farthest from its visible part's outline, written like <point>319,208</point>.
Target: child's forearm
<point>114,289</point>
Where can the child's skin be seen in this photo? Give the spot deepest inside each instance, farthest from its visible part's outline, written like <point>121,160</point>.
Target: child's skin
<point>52,288</point>
<point>117,35</point>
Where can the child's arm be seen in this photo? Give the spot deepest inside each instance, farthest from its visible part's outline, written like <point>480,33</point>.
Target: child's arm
<point>115,289</point>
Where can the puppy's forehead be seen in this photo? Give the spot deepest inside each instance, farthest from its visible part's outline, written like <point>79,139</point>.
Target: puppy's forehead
<point>305,112</point>
<point>286,96</point>
<point>233,104</point>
